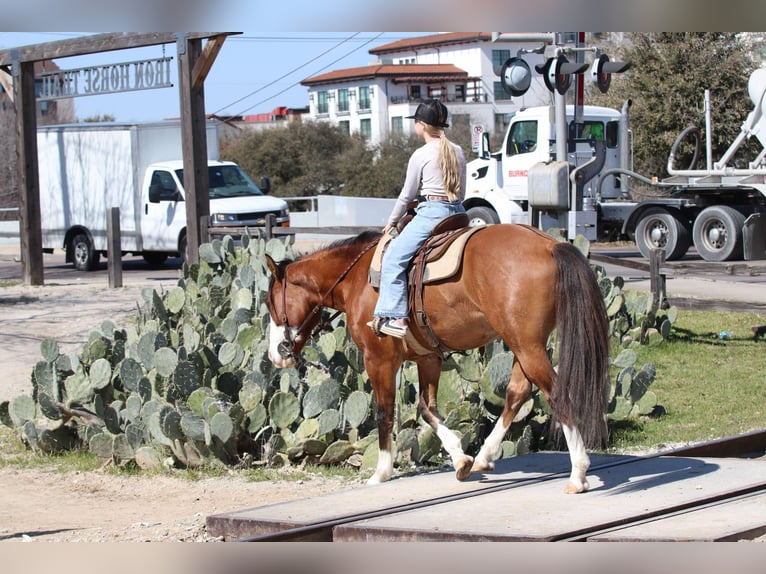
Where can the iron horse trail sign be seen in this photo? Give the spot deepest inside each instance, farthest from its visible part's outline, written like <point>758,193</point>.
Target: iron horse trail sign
<point>107,79</point>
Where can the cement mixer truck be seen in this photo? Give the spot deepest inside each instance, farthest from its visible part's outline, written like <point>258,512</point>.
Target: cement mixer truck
<point>719,208</point>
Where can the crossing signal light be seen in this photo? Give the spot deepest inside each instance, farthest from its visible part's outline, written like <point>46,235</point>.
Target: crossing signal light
<point>515,76</point>
<point>557,73</point>
<point>602,69</point>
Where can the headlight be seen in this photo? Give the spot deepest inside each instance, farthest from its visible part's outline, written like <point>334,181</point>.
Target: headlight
<point>225,217</point>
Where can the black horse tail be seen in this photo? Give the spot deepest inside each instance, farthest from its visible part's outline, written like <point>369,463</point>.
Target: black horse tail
<point>580,394</point>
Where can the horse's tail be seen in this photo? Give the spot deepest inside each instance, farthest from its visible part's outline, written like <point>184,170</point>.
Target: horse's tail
<point>582,382</point>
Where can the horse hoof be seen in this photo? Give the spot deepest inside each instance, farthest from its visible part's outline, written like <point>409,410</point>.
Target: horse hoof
<point>573,488</point>
<point>483,467</point>
<point>463,468</point>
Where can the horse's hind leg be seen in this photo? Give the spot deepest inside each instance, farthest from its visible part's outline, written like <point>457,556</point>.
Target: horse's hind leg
<point>579,459</point>
<point>538,370</point>
<point>517,392</point>
<point>429,369</point>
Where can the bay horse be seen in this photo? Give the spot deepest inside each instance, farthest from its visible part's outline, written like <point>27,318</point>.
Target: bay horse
<point>516,283</point>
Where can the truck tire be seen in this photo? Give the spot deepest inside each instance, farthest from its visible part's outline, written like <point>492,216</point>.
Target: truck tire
<point>84,257</point>
<point>718,233</point>
<point>658,228</point>
<point>154,258</point>
<point>481,216</point>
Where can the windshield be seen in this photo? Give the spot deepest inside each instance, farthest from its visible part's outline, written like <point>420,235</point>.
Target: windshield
<point>227,181</point>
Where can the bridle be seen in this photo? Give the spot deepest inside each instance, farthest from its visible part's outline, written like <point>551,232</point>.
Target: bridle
<point>286,348</point>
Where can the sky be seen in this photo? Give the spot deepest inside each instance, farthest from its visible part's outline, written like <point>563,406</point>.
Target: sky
<point>259,70</point>
<point>253,73</point>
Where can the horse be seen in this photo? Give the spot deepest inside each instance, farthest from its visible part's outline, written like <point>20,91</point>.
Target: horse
<point>515,283</point>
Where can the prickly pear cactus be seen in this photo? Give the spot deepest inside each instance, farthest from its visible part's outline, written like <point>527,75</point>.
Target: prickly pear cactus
<point>190,384</point>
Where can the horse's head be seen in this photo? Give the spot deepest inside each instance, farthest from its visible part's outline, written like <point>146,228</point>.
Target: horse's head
<point>294,313</point>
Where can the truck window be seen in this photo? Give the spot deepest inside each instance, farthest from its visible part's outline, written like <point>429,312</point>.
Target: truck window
<point>227,181</point>
<point>586,131</point>
<point>612,134</point>
<point>164,182</point>
<point>523,138</point>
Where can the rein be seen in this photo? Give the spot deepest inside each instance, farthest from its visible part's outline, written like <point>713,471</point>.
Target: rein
<point>286,348</point>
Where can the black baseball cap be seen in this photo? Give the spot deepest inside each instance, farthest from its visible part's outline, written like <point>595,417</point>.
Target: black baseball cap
<point>431,112</point>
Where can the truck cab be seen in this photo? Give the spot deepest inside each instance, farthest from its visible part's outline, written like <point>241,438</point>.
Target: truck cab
<point>235,201</point>
<point>497,184</point>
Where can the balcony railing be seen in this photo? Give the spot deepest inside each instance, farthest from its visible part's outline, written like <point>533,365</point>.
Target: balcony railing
<point>469,98</point>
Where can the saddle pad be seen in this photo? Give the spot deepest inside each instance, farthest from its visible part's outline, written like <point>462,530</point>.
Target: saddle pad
<point>442,268</point>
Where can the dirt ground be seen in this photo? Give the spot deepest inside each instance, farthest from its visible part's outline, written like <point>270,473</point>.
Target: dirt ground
<point>48,505</point>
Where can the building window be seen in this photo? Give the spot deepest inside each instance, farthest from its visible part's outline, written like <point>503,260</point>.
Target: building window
<point>499,58</point>
<point>364,98</point>
<point>365,127</point>
<point>343,100</point>
<point>499,92</point>
<point>415,92</point>
<point>397,125</point>
<point>345,126</point>
<point>322,107</point>
<point>436,92</point>
<point>460,93</point>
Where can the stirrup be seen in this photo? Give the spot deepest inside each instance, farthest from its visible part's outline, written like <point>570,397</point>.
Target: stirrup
<point>389,328</point>
<point>375,325</point>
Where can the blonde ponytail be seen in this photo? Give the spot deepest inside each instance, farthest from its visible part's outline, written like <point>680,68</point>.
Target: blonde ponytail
<point>449,165</point>
<point>448,162</point>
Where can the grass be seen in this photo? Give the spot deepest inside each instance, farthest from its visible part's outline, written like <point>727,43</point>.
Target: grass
<point>708,388</point>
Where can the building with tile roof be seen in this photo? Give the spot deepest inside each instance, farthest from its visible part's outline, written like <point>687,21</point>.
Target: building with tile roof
<point>459,68</point>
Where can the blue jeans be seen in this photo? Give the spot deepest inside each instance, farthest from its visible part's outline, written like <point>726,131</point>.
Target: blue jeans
<point>393,299</point>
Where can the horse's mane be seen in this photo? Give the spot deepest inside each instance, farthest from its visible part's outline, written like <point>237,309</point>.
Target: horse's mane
<point>363,238</point>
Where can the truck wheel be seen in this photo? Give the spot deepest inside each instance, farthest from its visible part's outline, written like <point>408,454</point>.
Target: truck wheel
<point>660,229</point>
<point>481,216</point>
<point>154,258</point>
<point>718,233</point>
<point>84,257</point>
<point>183,250</point>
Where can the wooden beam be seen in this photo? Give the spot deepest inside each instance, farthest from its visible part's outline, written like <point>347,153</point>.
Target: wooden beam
<point>205,62</point>
<point>109,42</point>
<point>6,81</point>
<point>29,183</point>
<point>194,134</point>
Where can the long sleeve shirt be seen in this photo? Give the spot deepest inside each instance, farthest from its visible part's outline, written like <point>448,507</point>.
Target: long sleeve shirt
<point>425,175</point>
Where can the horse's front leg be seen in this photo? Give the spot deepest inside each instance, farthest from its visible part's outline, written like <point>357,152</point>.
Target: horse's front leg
<point>382,378</point>
<point>429,370</point>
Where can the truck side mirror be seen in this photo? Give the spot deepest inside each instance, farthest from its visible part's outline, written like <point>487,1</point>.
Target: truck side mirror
<point>155,192</point>
<point>484,152</point>
<point>265,185</point>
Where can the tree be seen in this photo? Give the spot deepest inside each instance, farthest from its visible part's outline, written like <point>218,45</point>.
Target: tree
<point>316,157</point>
<point>666,82</point>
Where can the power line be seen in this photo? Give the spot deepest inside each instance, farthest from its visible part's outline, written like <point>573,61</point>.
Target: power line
<point>373,39</point>
<point>287,74</point>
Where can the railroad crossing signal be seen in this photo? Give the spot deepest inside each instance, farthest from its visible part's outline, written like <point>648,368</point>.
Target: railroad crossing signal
<point>602,69</point>
<point>516,76</point>
<point>557,73</point>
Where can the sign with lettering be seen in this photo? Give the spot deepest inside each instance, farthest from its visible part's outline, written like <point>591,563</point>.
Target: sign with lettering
<point>106,79</point>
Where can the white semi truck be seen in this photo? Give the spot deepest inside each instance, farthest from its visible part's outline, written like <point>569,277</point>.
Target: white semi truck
<point>86,169</point>
<point>720,209</point>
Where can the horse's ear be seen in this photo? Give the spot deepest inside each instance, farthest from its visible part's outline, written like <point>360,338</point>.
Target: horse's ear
<point>273,267</point>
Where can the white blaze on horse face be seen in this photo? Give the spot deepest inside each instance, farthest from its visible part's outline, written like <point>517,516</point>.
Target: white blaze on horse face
<point>277,336</point>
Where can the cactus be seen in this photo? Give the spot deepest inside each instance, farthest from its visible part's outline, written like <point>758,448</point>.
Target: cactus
<point>189,382</point>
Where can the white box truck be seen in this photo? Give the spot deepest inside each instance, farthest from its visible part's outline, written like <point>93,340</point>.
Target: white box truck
<point>86,169</point>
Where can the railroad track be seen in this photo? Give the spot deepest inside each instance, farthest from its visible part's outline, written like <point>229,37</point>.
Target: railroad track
<point>702,484</point>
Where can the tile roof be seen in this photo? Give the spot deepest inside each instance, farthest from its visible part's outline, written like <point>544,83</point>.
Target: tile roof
<point>395,72</point>
<point>432,41</point>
